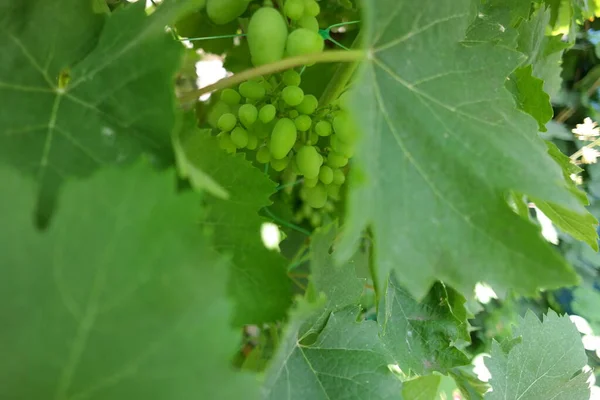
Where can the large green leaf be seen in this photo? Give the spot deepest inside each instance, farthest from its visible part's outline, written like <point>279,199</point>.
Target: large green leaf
<point>259,284</point>
<point>346,361</point>
<point>442,144</point>
<point>85,89</point>
<point>113,301</point>
<point>423,336</point>
<point>540,363</point>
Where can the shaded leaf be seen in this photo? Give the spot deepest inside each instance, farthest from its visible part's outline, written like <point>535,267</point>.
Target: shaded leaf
<point>430,387</point>
<point>530,96</point>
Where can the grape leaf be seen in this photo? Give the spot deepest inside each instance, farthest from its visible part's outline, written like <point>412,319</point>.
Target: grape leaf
<point>422,336</point>
<point>445,144</point>
<point>346,361</point>
<point>430,387</point>
<point>541,364</point>
<point>85,89</point>
<point>112,301</point>
<point>259,284</point>
<point>497,20</point>
<point>530,96</point>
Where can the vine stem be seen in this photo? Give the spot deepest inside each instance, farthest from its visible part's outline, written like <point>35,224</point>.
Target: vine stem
<point>281,65</point>
<point>340,79</point>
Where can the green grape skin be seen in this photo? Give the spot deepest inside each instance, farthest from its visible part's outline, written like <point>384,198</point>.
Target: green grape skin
<point>323,128</point>
<point>309,161</point>
<point>316,197</point>
<point>338,177</point>
<point>252,90</point>
<point>294,9</point>
<point>239,137</point>
<point>263,155</point>
<point>333,191</point>
<point>311,182</point>
<point>248,115</point>
<point>283,137</point>
<point>252,142</point>
<point>293,114</point>
<point>344,101</point>
<point>342,147</point>
<point>308,22</point>
<point>230,97</point>
<point>227,122</point>
<point>308,105</point>
<point>224,11</point>
<point>292,95</point>
<point>313,138</point>
<point>215,112</point>
<point>303,123</point>
<point>280,165</point>
<point>267,113</point>
<point>226,143</point>
<point>316,220</point>
<point>267,36</point>
<point>303,41</point>
<point>311,8</point>
<point>344,128</point>
<point>326,174</point>
<point>291,78</point>
<point>336,160</point>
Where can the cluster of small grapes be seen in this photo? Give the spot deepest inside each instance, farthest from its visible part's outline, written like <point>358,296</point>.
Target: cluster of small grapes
<point>289,131</point>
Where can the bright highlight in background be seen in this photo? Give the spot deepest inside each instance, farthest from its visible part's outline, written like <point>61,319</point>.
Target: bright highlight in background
<point>270,235</point>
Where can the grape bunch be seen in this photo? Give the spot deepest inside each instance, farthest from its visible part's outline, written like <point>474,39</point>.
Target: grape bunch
<point>283,127</point>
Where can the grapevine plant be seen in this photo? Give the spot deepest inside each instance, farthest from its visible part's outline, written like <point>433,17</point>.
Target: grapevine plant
<point>392,148</point>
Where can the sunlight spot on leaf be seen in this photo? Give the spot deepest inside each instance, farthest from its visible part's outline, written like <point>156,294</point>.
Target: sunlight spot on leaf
<point>484,293</point>
<point>270,235</point>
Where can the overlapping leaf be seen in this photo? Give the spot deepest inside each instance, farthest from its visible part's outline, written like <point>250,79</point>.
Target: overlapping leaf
<point>84,89</point>
<point>540,362</point>
<point>442,144</point>
<point>121,298</point>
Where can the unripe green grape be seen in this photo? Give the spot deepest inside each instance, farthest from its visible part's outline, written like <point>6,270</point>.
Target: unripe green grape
<point>326,174</point>
<point>316,197</point>
<point>227,122</point>
<point>267,35</point>
<point>224,11</point>
<point>252,142</point>
<point>294,9</point>
<point>215,112</point>
<point>303,123</point>
<point>336,160</point>
<point>313,138</point>
<point>239,137</point>
<point>309,23</point>
<point>263,155</point>
<point>252,90</point>
<point>309,104</point>
<point>311,182</point>
<point>341,147</point>
<point>293,114</point>
<point>283,138</point>
<point>226,143</point>
<point>291,78</point>
<point>248,114</point>
<point>292,95</point>
<point>267,113</point>
<point>311,8</point>
<point>344,101</point>
<point>323,128</point>
<point>316,220</point>
<point>309,161</point>
<point>344,127</point>
<point>280,165</point>
<point>303,41</point>
<point>230,97</point>
<point>338,177</point>
<point>333,191</point>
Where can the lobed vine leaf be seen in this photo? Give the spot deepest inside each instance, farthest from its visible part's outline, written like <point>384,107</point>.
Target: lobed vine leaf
<point>540,362</point>
<point>443,143</point>
<point>430,387</point>
<point>85,88</point>
<point>259,284</point>
<point>530,96</point>
<point>112,301</point>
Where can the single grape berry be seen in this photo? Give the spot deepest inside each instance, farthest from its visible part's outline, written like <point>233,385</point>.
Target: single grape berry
<point>311,8</point>
<point>294,9</point>
<point>303,123</point>
<point>309,104</point>
<point>309,162</point>
<point>215,112</point>
<point>291,78</point>
<point>316,197</point>
<point>227,122</point>
<point>252,142</point>
<point>224,11</point>
<point>230,97</point>
<point>283,137</point>
<point>239,137</point>
<point>263,155</point>
<point>326,174</point>
<point>293,114</point>
<point>248,114</point>
<point>280,165</point>
<point>309,23</point>
<point>303,41</point>
<point>323,128</point>
<point>292,95</point>
<point>344,101</point>
<point>252,90</point>
<point>338,177</point>
<point>347,149</point>
<point>333,191</point>
<point>344,127</point>
<point>267,35</point>
<point>310,183</point>
<point>226,143</point>
<point>336,160</point>
<point>267,113</point>
<point>313,138</point>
